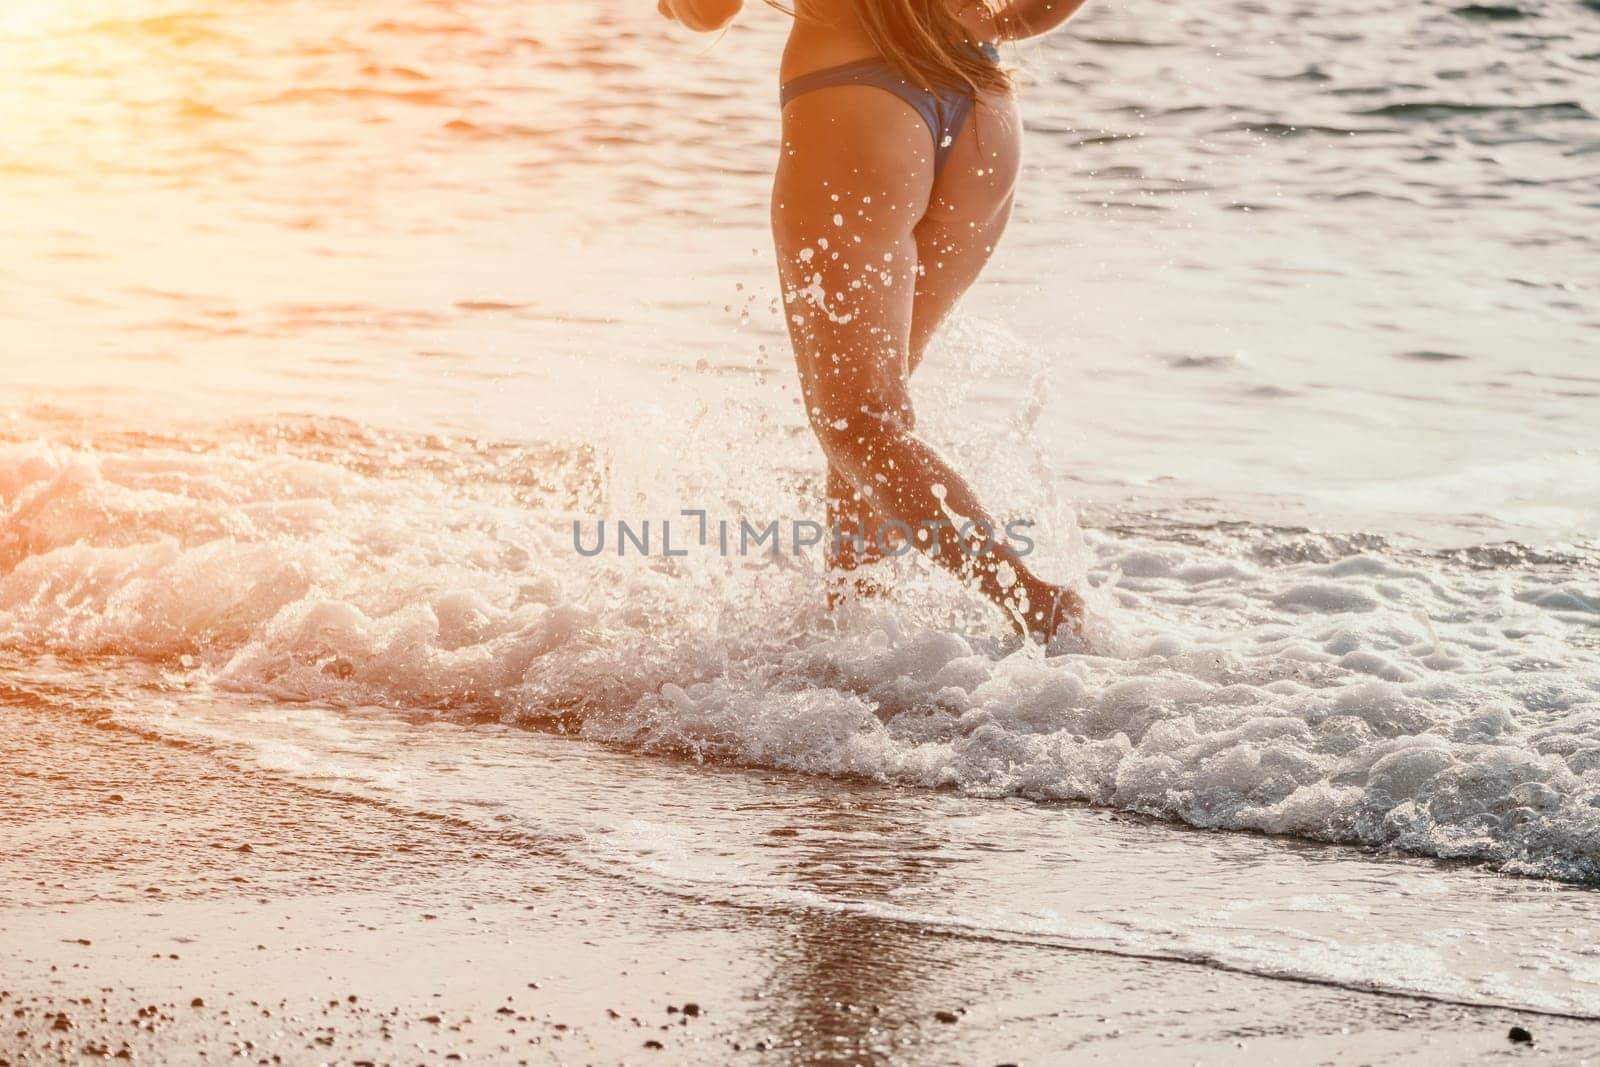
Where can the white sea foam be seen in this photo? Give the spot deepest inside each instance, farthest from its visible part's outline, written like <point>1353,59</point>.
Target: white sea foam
<point>1376,697</point>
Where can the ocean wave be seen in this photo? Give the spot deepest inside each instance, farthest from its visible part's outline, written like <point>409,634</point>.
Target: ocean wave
<point>1366,695</point>
<point>1444,109</point>
<point>1492,12</point>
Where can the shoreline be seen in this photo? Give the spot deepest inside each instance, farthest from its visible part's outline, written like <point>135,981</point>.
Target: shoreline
<point>221,913</point>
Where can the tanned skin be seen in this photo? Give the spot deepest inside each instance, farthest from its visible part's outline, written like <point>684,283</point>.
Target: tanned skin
<point>874,251</point>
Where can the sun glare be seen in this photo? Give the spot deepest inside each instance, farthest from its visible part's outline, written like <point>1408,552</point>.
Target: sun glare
<point>26,18</point>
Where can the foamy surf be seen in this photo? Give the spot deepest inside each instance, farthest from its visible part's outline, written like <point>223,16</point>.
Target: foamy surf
<point>1377,698</point>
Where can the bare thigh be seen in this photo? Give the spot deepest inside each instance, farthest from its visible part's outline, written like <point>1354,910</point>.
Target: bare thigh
<point>968,210</point>
<point>854,180</point>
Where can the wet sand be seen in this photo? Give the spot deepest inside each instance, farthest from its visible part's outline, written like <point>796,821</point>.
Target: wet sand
<point>159,905</point>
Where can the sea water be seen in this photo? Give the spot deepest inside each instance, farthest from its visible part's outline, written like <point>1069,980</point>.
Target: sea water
<point>323,326</point>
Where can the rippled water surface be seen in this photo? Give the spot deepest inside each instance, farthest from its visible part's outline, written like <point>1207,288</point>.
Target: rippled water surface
<point>323,322</point>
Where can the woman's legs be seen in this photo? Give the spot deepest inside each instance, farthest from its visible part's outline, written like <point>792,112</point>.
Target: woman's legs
<point>873,253</point>
<point>950,256</point>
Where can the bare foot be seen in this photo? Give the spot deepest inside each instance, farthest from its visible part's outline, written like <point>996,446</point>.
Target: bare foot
<point>1059,616</point>
<point>844,583</point>
<point>847,556</point>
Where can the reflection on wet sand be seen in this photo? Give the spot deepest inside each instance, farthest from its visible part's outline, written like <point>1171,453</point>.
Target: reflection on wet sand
<point>848,987</point>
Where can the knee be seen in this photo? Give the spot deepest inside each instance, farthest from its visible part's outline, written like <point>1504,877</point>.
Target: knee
<point>852,439</point>
<point>835,433</point>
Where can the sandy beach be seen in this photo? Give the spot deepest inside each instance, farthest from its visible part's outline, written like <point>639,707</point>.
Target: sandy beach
<point>159,905</point>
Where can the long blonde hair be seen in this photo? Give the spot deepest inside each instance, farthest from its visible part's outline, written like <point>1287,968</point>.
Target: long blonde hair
<point>924,42</point>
